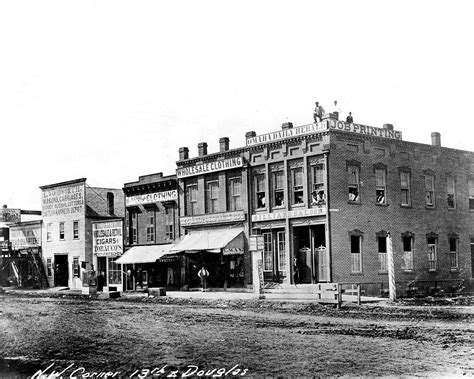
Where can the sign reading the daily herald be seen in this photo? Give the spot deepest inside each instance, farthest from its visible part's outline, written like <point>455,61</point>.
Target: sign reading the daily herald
<point>24,237</point>
<point>288,133</point>
<point>151,197</point>
<point>63,200</point>
<point>204,168</point>
<point>107,238</point>
<point>364,129</point>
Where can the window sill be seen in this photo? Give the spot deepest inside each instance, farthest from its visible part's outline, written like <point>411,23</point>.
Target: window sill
<point>405,206</point>
<point>452,209</point>
<point>354,202</point>
<point>261,210</point>
<point>454,269</point>
<point>297,205</point>
<point>409,272</point>
<point>382,273</point>
<point>279,207</point>
<point>381,205</point>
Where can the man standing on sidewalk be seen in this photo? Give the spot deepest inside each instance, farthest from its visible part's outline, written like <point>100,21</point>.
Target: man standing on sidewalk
<point>203,274</point>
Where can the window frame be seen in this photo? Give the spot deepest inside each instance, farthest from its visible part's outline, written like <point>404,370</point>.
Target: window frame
<point>355,186</point>
<point>408,254</point>
<point>318,184</point>
<point>267,251</point>
<point>278,184</point>
<point>260,193</point>
<point>76,267</point>
<point>281,246</point>
<point>75,230</point>
<point>49,233</point>
<point>356,257</point>
<point>62,231</point>
<point>381,189</point>
<point>150,225</point>
<point>234,198</point>
<point>191,199</point>
<point>430,191</point>
<point>470,184</point>
<point>382,255</point>
<point>432,253</point>
<point>453,240</point>
<point>451,180</point>
<point>297,186</point>
<point>405,189</point>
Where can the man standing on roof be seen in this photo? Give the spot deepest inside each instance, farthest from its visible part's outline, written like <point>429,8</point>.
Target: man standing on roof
<point>318,112</point>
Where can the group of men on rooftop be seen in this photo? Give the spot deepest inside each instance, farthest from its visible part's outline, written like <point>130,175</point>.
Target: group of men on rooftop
<point>319,113</point>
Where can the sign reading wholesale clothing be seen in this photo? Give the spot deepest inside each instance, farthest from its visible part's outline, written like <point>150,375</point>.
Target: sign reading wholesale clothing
<point>107,238</point>
<point>204,168</point>
<point>151,197</point>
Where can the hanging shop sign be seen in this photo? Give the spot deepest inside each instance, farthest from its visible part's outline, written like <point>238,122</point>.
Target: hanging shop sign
<point>256,243</point>
<point>25,236</point>
<point>215,218</point>
<point>288,133</point>
<point>232,251</point>
<point>289,214</point>
<point>10,215</point>
<point>205,168</point>
<point>151,198</point>
<point>107,238</point>
<point>64,200</point>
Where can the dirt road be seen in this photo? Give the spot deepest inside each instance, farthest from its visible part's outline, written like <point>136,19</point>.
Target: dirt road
<point>246,338</point>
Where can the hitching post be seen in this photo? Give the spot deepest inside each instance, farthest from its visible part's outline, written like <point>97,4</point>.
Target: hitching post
<point>391,269</point>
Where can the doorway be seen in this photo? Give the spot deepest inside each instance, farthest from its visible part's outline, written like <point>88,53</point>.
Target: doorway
<point>61,270</point>
<point>309,249</point>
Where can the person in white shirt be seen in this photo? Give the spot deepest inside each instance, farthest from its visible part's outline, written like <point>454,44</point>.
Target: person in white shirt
<point>203,274</point>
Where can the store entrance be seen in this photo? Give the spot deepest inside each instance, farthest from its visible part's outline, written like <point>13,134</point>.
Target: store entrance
<point>309,249</point>
<point>61,270</point>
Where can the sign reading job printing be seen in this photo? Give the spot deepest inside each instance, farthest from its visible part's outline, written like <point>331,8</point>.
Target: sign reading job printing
<point>151,198</point>
<point>25,236</point>
<point>288,133</point>
<point>63,200</point>
<point>364,129</point>
<point>10,215</point>
<point>205,168</point>
<point>107,238</point>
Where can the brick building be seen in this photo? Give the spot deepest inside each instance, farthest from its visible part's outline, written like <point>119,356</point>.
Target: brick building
<point>326,195</point>
<point>68,210</point>
<point>151,207</point>
<point>214,210</point>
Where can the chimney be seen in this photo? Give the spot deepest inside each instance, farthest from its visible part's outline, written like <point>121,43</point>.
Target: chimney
<point>436,139</point>
<point>223,144</point>
<point>286,125</point>
<point>183,153</point>
<point>5,206</point>
<point>388,126</point>
<point>250,134</point>
<point>202,149</point>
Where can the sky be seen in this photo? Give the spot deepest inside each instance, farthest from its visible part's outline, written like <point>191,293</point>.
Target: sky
<point>109,90</point>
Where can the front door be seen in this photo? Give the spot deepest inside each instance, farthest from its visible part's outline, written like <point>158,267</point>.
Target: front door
<point>61,270</point>
<point>303,254</point>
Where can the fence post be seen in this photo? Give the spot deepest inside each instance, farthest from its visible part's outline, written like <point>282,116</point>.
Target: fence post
<point>339,295</point>
<point>358,294</point>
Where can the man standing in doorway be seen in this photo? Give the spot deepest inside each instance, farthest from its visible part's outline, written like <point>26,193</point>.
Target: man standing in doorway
<point>203,274</point>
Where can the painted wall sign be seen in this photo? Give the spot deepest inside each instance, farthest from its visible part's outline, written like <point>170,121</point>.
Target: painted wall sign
<point>204,168</point>
<point>107,238</point>
<point>232,251</point>
<point>26,236</point>
<point>151,197</point>
<point>213,218</point>
<point>63,200</point>
<point>289,214</point>
<point>288,133</point>
<point>10,215</point>
<point>364,129</point>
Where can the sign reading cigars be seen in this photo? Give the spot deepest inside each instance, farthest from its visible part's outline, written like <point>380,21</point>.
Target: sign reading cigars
<point>204,168</point>
<point>151,197</point>
<point>107,238</point>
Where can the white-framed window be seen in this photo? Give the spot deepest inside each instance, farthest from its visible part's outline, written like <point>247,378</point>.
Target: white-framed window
<point>133,236</point>
<point>432,253</point>
<point>353,183</point>
<point>49,235</point>
<point>453,253</point>
<point>451,193</point>
<point>114,271</point>
<point>382,248</point>
<point>471,194</point>
<point>380,186</point>
<point>318,181</point>
<point>278,189</point>
<point>212,196</point>
<point>61,231</point>
<point>356,254</point>
<point>408,252</point>
<point>234,193</point>
<point>150,226</point>
<point>49,267</point>
<point>281,251</point>
<point>429,190</point>
<point>267,252</point>
<point>405,188</point>
<point>76,268</point>
<point>191,199</point>
<point>169,232</point>
<point>260,197</point>
<point>169,223</point>
<point>75,230</point>
<point>297,185</point>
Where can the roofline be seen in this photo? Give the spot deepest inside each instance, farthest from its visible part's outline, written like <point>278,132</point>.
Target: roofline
<point>81,180</point>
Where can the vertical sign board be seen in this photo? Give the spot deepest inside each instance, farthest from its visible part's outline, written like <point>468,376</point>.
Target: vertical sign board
<point>107,238</point>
